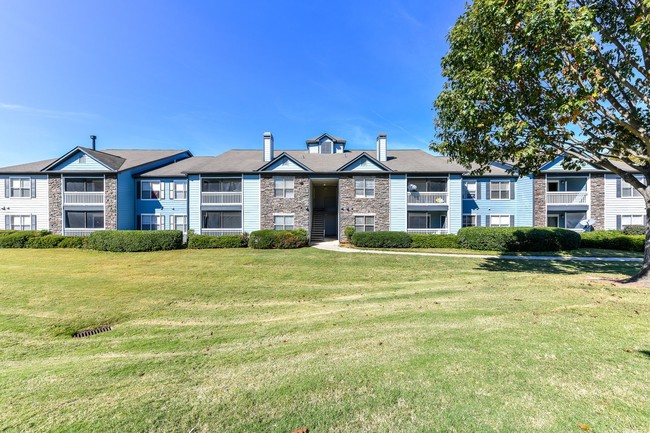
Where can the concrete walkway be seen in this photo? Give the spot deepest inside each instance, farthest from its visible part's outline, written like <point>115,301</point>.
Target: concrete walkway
<point>334,246</point>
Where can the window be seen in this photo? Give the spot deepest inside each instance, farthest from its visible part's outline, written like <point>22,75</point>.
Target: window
<point>499,220</point>
<point>152,222</point>
<point>470,221</point>
<point>20,187</point>
<point>84,220</point>
<point>152,190</point>
<point>84,185</point>
<point>631,220</point>
<point>418,220</point>
<point>222,220</point>
<point>178,222</point>
<point>326,146</point>
<point>19,222</point>
<point>499,190</point>
<point>364,223</point>
<point>627,191</point>
<point>282,222</point>
<point>83,159</point>
<point>429,184</point>
<point>178,190</point>
<point>221,185</point>
<point>364,186</point>
<point>283,186</point>
<point>469,190</point>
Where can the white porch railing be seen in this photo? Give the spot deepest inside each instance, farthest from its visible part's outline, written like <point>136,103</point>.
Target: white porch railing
<point>221,232</point>
<point>79,232</point>
<point>83,198</point>
<point>427,231</point>
<point>427,198</point>
<point>221,197</point>
<point>567,198</point>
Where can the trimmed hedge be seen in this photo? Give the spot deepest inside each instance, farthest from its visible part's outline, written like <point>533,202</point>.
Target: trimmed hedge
<point>135,240</point>
<point>634,230</point>
<point>613,240</point>
<point>283,239</point>
<point>518,239</point>
<point>47,241</point>
<point>19,238</point>
<point>73,242</point>
<point>349,232</point>
<point>381,239</point>
<point>205,241</point>
<point>434,241</point>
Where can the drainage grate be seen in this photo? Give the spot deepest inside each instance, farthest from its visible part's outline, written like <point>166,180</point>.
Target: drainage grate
<point>90,332</point>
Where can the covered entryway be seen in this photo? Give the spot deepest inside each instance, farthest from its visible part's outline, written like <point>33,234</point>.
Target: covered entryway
<point>324,209</point>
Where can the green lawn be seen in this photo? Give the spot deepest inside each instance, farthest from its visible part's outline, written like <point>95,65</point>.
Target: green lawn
<point>271,341</point>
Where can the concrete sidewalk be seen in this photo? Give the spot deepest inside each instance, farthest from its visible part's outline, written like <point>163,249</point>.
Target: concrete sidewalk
<point>334,246</point>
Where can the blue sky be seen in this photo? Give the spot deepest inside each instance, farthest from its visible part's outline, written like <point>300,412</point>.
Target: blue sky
<point>214,75</point>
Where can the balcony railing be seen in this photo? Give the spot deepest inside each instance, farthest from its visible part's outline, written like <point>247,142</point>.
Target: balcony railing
<point>567,198</point>
<point>428,231</point>
<point>221,197</point>
<point>79,232</point>
<point>221,232</point>
<point>427,198</point>
<point>83,198</point>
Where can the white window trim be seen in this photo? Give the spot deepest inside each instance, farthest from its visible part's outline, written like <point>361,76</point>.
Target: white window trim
<point>500,215</point>
<point>465,215</point>
<point>172,221</point>
<point>500,182</point>
<point>374,221</point>
<point>173,191</point>
<point>631,216</point>
<point>21,178</point>
<point>21,226</point>
<point>284,189</point>
<point>633,192</point>
<point>284,225</point>
<point>161,189</point>
<point>160,224</point>
<point>365,180</point>
<point>466,191</point>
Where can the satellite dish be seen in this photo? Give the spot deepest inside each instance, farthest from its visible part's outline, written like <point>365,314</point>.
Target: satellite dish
<point>584,222</point>
<point>412,187</point>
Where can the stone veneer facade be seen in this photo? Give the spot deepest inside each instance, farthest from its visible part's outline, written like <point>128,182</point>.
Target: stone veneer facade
<point>298,205</point>
<point>539,200</point>
<point>110,202</point>
<point>349,205</point>
<point>55,196</point>
<point>597,205</point>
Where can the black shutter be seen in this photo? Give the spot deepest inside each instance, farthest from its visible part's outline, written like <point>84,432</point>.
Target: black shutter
<point>512,220</point>
<point>618,187</point>
<point>488,190</point>
<point>618,221</point>
<point>478,190</point>
<point>33,187</point>
<point>487,220</point>
<point>138,187</point>
<point>512,190</point>
<point>139,222</point>
<point>7,187</point>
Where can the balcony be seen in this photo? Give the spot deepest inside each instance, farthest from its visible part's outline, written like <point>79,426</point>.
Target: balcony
<point>567,198</point>
<point>83,198</point>
<point>428,198</point>
<point>427,231</point>
<point>221,198</point>
<point>79,232</point>
<point>221,232</point>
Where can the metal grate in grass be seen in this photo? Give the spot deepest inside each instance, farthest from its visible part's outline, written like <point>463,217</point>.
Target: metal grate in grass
<point>90,332</point>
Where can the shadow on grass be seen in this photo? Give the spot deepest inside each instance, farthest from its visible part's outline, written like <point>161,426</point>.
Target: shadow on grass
<point>645,352</point>
<point>559,267</point>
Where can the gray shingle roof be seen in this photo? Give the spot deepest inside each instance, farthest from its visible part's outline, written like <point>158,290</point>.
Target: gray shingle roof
<point>320,137</point>
<point>29,168</point>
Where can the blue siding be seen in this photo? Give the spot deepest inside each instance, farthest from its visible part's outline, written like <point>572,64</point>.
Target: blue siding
<point>251,202</point>
<point>73,163</point>
<point>194,193</point>
<point>521,207</point>
<point>455,203</point>
<point>398,202</point>
<point>166,206</point>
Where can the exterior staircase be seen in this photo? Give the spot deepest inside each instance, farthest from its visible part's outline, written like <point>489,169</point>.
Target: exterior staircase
<point>318,226</point>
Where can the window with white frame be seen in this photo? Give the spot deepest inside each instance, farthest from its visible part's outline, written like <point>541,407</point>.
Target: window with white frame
<point>499,220</point>
<point>152,190</point>
<point>469,189</point>
<point>283,222</point>
<point>84,219</point>
<point>631,220</point>
<point>470,220</point>
<point>627,191</point>
<point>152,222</point>
<point>418,220</point>
<point>20,187</point>
<point>283,186</point>
<point>222,220</point>
<point>364,223</point>
<point>20,222</point>
<point>499,190</point>
<point>178,190</point>
<point>178,222</point>
<point>364,186</point>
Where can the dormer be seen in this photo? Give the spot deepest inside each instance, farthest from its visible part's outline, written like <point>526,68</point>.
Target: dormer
<point>326,144</point>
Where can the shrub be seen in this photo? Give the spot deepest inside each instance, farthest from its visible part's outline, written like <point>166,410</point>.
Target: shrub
<point>613,240</point>
<point>47,241</point>
<point>634,230</point>
<point>266,239</point>
<point>18,238</point>
<point>73,242</point>
<point>434,241</point>
<point>349,232</point>
<point>518,238</point>
<point>205,241</point>
<point>135,240</point>
<point>381,239</point>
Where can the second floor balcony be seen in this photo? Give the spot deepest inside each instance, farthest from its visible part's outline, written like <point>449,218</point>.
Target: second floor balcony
<point>221,191</point>
<point>428,198</point>
<point>221,197</point>
<point>83,198</point>
<point>567,198</point>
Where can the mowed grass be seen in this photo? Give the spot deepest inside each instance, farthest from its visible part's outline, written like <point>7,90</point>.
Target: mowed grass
<point>272,341</point>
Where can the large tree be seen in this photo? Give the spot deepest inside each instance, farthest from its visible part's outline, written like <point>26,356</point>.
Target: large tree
<point>530,80</point>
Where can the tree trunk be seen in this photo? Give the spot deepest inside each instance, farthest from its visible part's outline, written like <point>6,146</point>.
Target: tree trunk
<point>644,273</point>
